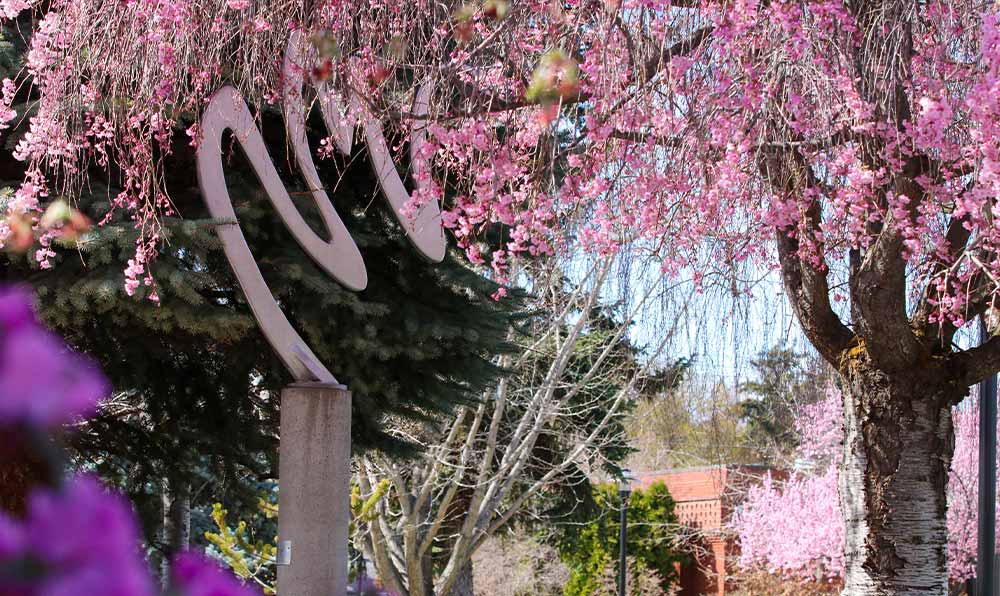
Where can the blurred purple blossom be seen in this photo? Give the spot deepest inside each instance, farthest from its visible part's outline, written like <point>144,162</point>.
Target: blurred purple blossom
<point>82,540</point>
<point>78,540</point>
<point>366,586</point>
<point>43,383</point>
<point>195,575</point>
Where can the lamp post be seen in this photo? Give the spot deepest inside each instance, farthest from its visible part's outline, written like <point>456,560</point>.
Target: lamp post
<point>624,490</point>
<point>985,572</point>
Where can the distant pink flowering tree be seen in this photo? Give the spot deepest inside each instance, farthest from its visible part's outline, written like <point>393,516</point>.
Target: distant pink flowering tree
<point>796,528</point>
<point>963,496</point>
<point>820,428</point>
<point>793,528</point>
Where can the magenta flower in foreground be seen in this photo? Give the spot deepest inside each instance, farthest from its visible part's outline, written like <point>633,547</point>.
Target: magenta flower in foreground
<point>366,586</point>
<point>80,541</point>
<point>42,382</point>
<point>194,575</point>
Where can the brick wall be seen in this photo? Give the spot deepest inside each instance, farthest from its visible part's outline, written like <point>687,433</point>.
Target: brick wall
<point>705,498</point>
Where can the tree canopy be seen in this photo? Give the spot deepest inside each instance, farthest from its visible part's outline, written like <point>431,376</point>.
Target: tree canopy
<point>852,145</point>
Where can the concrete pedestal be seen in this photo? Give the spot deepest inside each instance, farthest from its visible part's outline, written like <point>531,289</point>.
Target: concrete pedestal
<point>314,495</point>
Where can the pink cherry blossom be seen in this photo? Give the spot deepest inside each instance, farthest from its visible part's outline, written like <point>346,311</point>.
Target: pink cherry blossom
<point>7,113</point>
<point>795,528</point>
<point>194,575</point>
<point>658,156</point>
<point>77,537</point>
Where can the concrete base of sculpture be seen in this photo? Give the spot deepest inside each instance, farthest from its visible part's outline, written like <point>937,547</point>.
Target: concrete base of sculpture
<point>314,496</point>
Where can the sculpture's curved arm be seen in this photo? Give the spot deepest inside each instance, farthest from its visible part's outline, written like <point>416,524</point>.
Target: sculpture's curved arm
<point>424,230</point>
<point>340,257</point>
<point>227,111</point>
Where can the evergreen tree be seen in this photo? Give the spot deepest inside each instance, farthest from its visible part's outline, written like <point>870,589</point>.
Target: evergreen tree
<point>785,381</point>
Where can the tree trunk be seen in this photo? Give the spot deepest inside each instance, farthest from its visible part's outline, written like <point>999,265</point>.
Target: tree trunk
<point>897,450</point>
<point>176,528</point>
<point>464,584</point>
<point>180,519</point>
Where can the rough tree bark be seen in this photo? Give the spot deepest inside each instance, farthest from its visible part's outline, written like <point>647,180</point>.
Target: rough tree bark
<point>464,584</point>
<point>897,451</point>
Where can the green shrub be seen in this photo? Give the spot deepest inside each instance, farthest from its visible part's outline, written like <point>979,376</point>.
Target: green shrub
<point>652,544</point>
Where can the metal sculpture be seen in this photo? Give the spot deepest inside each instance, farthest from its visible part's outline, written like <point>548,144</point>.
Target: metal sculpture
<point>338,256</point>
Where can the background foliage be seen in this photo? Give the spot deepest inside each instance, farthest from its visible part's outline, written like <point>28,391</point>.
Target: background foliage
<point>589,548</point>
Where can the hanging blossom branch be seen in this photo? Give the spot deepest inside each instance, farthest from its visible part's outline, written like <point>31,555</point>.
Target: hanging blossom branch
<point>694,130</point>
<point>113,86</point>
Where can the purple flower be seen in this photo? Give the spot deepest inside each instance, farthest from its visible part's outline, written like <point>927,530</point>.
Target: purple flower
<point>194,575</point>
<point>15,309</point>
<point>11,541</point>
<point>82,540</point>
<point>42,382</point>
<point>366,586</point>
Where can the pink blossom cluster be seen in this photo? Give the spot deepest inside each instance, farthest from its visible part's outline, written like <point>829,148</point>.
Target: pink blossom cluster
<point>511,154</point>
<point>113,81</point>
<point>83,539</point>
<point>796,528</point>
<point>366,586</point>
<point>641,125</point>
<point>7,112</point>
<point>793,528</point>
<point>11,8</point>
<point>75,538</point>
<point>820,429</point>
<point>963,496</point>
<point>853,142</point>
